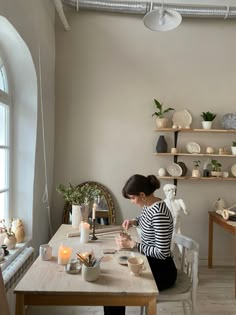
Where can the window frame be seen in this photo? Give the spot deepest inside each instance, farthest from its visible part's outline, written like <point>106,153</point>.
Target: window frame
<point>5,100</point>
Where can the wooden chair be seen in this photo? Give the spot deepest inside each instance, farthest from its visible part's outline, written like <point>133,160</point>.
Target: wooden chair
<point>185,288</point>
<point>4,307</point>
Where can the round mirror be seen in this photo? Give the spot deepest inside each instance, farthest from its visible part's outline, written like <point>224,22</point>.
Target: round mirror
<point>105,213</point>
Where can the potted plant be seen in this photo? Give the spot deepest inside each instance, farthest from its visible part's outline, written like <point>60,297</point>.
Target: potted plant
<point>216,168</point>
<point>233,147</point>
<point>208,118</point>
<point>196,171</point>
<point>79,197</point>
<point>10,238</point>
<point>161,120</point>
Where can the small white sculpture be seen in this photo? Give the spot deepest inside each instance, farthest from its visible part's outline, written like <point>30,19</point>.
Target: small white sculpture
<point>221,209</point>
<point>176,206</point>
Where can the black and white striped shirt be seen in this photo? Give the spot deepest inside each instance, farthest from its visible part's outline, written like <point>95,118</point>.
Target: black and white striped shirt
<point>156,224</point>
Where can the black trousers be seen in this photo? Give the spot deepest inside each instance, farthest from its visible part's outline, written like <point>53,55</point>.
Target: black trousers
<point>164,273</point>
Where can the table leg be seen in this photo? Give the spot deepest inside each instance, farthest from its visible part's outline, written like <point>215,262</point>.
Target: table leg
<point>152,307</point>
<point>210,242</point>
<point>20,307</point>
<point>235,266</point>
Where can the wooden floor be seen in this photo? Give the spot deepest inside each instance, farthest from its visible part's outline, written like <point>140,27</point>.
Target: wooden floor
<point>215,296</point>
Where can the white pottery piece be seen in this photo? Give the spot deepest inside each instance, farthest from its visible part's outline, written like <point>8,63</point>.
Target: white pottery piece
<point>216,174</point>
<point>10,241</point>
<point>76,216</point>
<point>233,149</point>
<point>91,273</point>
<point>206,124</point>
<point>161,172</point>
<point>182,119</point>
<point>196,173</point>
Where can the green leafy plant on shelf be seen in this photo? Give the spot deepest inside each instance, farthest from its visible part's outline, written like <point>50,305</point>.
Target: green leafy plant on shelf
<point>196,164</point>
<point>216,166</point>
<point>161,111</point>
<point>208,116</point>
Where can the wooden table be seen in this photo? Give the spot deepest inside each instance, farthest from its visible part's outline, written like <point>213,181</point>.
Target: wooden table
<point>229,226</point>
<point>46,282</point>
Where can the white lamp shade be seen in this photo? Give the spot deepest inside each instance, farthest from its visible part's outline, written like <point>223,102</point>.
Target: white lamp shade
<point>162,19</point>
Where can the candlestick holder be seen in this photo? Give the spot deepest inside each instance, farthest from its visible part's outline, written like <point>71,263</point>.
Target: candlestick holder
<point>93,238</point>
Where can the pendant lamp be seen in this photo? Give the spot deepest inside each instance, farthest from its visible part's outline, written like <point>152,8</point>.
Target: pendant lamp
<point>162,19</point>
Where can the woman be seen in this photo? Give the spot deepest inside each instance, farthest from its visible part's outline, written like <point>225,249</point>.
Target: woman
<point>156,225</point>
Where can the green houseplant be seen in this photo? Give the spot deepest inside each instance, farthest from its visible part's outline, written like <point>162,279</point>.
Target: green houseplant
<point>161,120</point>
<point>79,197</point>
<point>216,168</point>
<point>208,118</point>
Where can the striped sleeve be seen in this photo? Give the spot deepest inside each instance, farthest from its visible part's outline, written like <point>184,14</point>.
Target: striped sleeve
<point>157,227</point>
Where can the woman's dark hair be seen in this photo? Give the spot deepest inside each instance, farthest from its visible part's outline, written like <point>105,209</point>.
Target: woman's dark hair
<point>139,183</point>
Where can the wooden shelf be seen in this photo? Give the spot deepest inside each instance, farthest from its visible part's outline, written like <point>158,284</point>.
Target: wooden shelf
<point>196,130</point>
<point>195,154</point>
<point>198,178</point>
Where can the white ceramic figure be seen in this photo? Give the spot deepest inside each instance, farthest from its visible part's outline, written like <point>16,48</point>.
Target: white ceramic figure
<point>176,206</point>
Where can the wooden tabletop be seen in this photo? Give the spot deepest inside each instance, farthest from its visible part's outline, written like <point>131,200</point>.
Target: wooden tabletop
<point>47,277</point>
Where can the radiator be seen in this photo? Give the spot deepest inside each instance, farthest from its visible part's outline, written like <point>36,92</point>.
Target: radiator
<point>14,272</point>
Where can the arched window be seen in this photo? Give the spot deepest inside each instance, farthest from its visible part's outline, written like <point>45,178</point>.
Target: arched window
<point>18,126</point>
<point>4,143</point>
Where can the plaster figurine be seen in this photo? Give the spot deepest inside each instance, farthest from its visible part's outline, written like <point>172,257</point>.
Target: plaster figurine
<point>222,210</point>
<point>176,206</point>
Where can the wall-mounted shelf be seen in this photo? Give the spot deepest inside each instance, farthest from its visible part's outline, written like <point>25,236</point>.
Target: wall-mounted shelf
<point>198,178</point>
<point>195,154</point>
<point>196,130</point>
<point>176,132</point>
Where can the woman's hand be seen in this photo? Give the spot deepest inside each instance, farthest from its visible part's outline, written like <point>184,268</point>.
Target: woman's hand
<point>128,223</point>
<point>125,242</point>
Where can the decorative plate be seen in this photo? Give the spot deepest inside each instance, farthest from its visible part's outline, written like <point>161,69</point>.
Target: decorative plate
<point>233,170</point>
<point>184,168</point>
<point>174,169</point>
<point>122,256</point>
<point>193,147</point>
<point>182,119</point>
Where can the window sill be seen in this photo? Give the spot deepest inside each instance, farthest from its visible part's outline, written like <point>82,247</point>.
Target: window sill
<point>13,253</point>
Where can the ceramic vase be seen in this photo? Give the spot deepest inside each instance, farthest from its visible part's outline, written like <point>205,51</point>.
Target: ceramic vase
<point>161,146</point>
<point>76,216</point>
<point>233,150</point>
<point>10,241</point>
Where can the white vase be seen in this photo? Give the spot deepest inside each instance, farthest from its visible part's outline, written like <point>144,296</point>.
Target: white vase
<point>196,173</point>
<point>76,216</point>
<point>233,149</point>
<point>206,124</point>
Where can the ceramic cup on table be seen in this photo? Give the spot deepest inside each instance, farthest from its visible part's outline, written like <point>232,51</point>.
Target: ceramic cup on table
<point>45,252</point>
<point>136,265</point>
<point>91,273</point>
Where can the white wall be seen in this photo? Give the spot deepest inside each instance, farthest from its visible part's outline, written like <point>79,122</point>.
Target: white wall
<point>34,21</point>
<point>109,67</point>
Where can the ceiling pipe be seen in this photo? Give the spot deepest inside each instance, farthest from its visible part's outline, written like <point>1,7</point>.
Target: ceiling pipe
<point>143,7</point>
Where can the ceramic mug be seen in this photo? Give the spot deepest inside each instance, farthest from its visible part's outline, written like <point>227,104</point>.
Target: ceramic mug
<point>45,252</point>
<point>136,265</point>
<point>91,273</point>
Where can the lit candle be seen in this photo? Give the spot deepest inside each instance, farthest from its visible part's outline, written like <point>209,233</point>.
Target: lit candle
<point>64,254</point>
<point>94,211</point>
<point>84,232</point>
